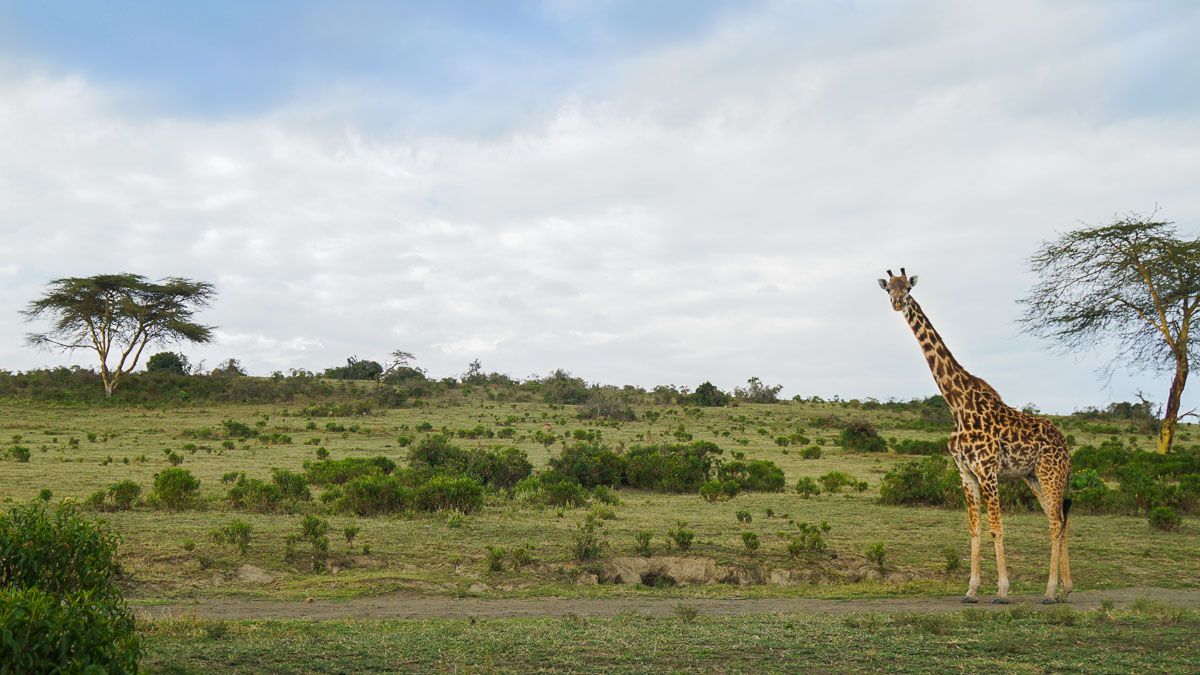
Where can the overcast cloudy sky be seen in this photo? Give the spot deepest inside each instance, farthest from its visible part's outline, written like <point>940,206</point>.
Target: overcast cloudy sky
<point>637,192</point>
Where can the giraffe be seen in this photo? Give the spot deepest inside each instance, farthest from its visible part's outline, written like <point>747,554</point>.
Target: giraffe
<point>992,440</point>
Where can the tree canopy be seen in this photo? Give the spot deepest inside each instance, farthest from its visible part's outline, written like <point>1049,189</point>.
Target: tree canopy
<point>117,315</point>
<point>1133,285</point>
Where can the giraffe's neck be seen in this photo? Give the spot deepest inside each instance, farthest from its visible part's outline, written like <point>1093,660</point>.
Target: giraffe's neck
<point>951,378</point>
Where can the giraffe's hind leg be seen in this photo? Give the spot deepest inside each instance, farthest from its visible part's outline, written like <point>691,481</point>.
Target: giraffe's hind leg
<point>1049,485</point>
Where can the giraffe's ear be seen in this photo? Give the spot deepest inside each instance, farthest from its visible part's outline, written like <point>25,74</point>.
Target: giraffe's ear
<point>883,284</point>
<point>912,281</point>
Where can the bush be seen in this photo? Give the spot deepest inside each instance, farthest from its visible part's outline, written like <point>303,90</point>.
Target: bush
<point>47,633</point>
<point>926,481</point>
<point>1163,518</point>
<point>910,446</point>
<point>339,471</point>
<point>606,495</point>
<point>671,468</point>
<point>755,476</point>
<point>834,481</point>
<point>877,554</point>
<point>750,542</point>
<point>254,495</point>
<point>168,362</point>
<point>175,487</point>
<point>861,436</point>
<point>642,546</point>
<point>680,537</point>
<point>586,546</point>
<point>551,489</point>
<point>499,468</point>
<point>712,492</point>
<point>374,494</point>
<point>811,452</point>
<point>590,464</point>
<point>124,494</point>
<point>19,453</point>
<point>235,532</point>
<point>59,606</point>
<point>807,487</point>
<point>292,486</point>
<point>446,492</point>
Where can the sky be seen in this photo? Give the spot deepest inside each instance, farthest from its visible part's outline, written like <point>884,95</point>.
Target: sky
<point>636,192</point>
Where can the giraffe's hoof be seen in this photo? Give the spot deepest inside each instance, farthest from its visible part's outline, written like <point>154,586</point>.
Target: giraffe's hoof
<point>969,600</point>
<point>1000,601</point>
<point>1048,601</point>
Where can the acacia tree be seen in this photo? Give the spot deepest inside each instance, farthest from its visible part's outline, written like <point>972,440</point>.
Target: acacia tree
<point>117,315</point>
<point>1134,285</point>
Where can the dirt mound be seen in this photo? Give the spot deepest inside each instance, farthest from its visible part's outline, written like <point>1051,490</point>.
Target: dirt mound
<point>698,570</point>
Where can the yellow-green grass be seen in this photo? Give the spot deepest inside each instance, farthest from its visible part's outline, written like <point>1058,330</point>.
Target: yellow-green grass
<point>425,553</point>
<point>1146,639</point>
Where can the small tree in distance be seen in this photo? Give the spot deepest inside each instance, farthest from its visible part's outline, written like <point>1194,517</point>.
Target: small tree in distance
<point>117,315</point>
<point>1133,284</point>
<point>168,362</point>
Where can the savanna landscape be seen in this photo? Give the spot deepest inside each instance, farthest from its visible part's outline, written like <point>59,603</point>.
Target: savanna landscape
<point>312,524</point>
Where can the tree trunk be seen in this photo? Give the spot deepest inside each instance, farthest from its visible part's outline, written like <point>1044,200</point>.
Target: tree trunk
<point>1166,433</point>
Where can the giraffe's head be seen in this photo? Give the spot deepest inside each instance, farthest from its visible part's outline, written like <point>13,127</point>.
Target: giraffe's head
<point>898,288</point>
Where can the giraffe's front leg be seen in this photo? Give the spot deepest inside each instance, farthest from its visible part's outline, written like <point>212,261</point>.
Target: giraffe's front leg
<point>991,497</point>
<point>971,492</point>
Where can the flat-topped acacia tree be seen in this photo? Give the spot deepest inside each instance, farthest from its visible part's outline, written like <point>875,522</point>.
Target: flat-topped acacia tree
<point>117,315</point>
<point>1133,284</point>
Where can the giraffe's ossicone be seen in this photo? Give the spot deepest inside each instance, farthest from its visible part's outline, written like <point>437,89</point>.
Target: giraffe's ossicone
<point>990,441</point>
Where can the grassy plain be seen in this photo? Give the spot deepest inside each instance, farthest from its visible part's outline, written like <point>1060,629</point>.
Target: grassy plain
<point>1146,638</point>
<point>428,553</point>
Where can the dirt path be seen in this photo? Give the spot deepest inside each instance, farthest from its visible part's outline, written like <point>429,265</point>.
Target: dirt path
<point>407,606</point>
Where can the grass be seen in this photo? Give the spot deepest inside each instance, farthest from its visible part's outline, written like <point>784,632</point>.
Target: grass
<point>429,554</point>
<point>1021,639</point>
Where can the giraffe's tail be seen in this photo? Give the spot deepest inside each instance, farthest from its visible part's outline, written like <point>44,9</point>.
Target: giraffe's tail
<point>1066,503</point>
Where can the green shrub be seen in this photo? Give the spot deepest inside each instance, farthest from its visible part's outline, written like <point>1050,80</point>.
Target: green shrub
<point>238,430</point>
<point>350,532</point>
<point>807,487</point>
<point>48,633</point>
<point>671,468</point>
<point>952,558</point>
<point>811,452</point>
<point>744,516</point>
<point>755,476</point>
<point>642,540</point>
<point>19,453</point>
<point>1163,518</point>
<point>861,436</point>
<point>910,446</point>
<point>235,532</point>
<point>681,537</point>
<point>498,467</point>
<point>339,471</point>
<point>373,494</point>
<point>124,494</point>
<point>587,544</point>
<point>711,491</point>
<point>550,489</point>
<point>590,463</point>
<point>877,554</point>
<point>292,486</point>
<point>928,481</point>
<point>175,487</point>
<point>255,495</point>
<point>750,542</point>
<point>59,606</point>
<point>606,495</point>
<point>495,558</point>
<point>834,481</point>
<point>446,492</point>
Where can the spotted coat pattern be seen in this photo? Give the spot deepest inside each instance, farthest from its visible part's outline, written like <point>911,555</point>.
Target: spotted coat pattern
<point>992,440</point>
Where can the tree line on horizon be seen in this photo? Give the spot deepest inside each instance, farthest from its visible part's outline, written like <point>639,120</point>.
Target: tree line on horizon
<point>1132,285</point>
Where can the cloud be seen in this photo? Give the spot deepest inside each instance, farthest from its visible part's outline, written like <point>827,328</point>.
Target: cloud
<point>721,211</point>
